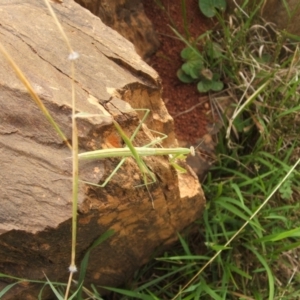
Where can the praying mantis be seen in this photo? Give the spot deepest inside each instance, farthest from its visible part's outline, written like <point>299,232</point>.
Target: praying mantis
<point>137,153</point>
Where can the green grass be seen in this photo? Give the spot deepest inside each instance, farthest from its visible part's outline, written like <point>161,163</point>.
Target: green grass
<point>247,244</point>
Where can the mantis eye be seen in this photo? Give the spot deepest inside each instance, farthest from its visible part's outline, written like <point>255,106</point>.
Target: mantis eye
<point>192,149</point>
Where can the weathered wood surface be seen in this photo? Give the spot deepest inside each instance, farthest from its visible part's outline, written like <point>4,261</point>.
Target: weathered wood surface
<point>35,185</point>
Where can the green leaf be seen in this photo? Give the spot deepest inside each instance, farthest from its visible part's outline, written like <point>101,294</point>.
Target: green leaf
<point>132,294</point>
<point>204,86</point>
<point>286,234</point>
<point>189,53</point>
<point>234,210</point>
<point>213,50</point>
<point>184,244</point>
<point>239,123</point>
<point>217,86</point>
<point>54,290</point>
<point>239,271</point>
<point>193,65</point>
<point>191,68</point>
<point>211,292</point>
<point>184,257</point>
<point>209,7</point>
<point>270,275</point>
<point>286,189</point>
<point>216,77</point>
<point>7,288</point>
<point>182,76</point>
<point>196,69</point>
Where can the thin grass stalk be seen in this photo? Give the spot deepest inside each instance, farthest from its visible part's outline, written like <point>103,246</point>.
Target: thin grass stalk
<point>75,167</point>
<point>292,67</point>
<point>73,267</point>
<point>59,26</point>
<point>72,56</point>
<point>241,108</point>
<point>184,16</point>
<point>195,50</point>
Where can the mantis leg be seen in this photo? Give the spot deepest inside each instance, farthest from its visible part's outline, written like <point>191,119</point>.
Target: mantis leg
<point>128,141</point>
<point>109,177</point>
<point>156,140</point>
<point>137,153</point>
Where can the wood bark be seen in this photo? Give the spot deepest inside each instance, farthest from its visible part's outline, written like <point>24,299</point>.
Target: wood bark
<point>35,177</point>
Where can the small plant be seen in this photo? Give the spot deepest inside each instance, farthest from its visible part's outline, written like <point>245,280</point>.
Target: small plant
<point>210,7</point>
<point>203,67</point>
<point>197,69</point>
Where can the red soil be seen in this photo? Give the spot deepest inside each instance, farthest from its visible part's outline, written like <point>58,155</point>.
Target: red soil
<point>179,97</point>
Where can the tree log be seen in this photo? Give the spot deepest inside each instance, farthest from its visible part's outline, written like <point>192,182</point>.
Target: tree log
<point>35,188</point>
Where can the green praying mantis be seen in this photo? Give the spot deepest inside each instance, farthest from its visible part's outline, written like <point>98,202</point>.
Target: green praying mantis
<point>137,153</point>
